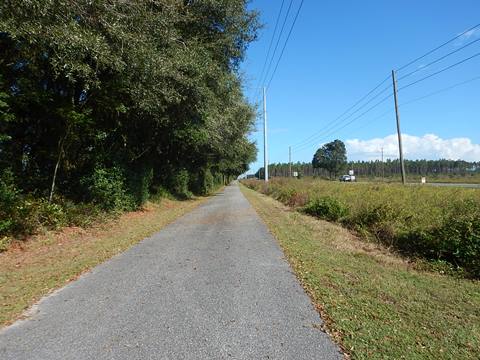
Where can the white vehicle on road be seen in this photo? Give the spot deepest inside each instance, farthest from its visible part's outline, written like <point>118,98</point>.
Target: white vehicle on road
<point>347,178</point>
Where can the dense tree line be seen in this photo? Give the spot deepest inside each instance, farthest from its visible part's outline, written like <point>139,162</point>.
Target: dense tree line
<point>388,168</point>
<point>106,101</point>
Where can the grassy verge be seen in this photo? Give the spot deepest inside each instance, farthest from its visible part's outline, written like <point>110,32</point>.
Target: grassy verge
<point>376,305</point>
<point>30,269</point>
<point>441,225</point>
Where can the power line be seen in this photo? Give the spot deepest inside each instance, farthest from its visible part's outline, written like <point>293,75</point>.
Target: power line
<point>439,71</point>
<point>331,127</point>
<point>346,111</point>
<point>335,123</point>
<point>354,119</point>
<point>403,105</point>
<point>277,43</point>
<point>372,121</point>
<point>438,47</point>
<point>285,44</point>
<point>308,140</point>
<point>271,43</point>
<point>439,59</point>
<point>440,91</point>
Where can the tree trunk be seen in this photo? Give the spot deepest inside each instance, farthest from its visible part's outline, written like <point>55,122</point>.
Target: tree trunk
<point>57,165</point>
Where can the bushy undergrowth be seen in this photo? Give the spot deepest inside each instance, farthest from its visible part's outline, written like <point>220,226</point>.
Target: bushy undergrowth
<point>107,191</point>
<point>25,214</point>
<point>439,224</point>
<point>327,208</point>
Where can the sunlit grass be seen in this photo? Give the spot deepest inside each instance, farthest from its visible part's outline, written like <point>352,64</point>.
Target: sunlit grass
<point>376,304</point>
<point>439,224</point>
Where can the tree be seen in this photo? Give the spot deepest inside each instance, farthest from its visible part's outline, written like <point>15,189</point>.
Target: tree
<point>148,87</point>
<point>331,157</point>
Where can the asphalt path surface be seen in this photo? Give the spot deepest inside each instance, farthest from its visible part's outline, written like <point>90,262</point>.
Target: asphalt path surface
<point>212,285</point>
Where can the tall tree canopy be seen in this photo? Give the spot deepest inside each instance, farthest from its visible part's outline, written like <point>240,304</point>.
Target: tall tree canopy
<point>331,157</point>
<point>147,91</point>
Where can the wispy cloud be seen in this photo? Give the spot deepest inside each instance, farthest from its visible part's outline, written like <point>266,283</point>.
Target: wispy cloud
<point>469,35</point>
<point>472,33</point>
<point>428,146</point>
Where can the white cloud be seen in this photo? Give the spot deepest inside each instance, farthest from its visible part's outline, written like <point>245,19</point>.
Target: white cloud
<point>428,146</point>
<point>471,34</point>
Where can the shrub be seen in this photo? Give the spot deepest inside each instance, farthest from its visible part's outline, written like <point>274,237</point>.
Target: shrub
<point>23,215</point>
<point>203,182</point>
<point>460,241</point>
<point>179,182</point>
<point>81,214</point>
<point>456,240</point>
<point>48,214</point>
<point>9,198</point>
<point>139,182</point>
<point>106,188</point>
<point>158,193</point>
<point>375,220</point>
<point>327,208</point>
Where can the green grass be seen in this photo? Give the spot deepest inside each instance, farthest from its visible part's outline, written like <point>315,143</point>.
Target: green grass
<point>30,269</point>
<point>376,305</point>
<point>438,224</point>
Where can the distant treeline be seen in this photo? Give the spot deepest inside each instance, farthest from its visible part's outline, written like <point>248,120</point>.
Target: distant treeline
<point>388,168</point>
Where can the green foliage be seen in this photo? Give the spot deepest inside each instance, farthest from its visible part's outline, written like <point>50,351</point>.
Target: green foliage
<point>179,184</point>
<point>20,214</point>
<point>84,92</point>
<point>456,239</point>
<point>203,182</point>
<point>139,182</point>
<point>49,215</point>
<point>81,214</point>
<point>5,113</point>
<point>436,224</point>
<point>107,189</point>
<point>9,199</point>
<point>327,208</point>
<point>331,157</point>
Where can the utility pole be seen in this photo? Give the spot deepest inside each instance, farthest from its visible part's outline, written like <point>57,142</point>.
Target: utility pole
<point>265,147</point>
<point>289,161</point>
<point>399,133</point>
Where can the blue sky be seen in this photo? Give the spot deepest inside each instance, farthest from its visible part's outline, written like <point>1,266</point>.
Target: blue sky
<point>340,50</point>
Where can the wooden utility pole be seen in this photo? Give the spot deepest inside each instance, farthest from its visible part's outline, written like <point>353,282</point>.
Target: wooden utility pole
<point>265,147</point>
<point>399,133</point>
<point>289,161</point>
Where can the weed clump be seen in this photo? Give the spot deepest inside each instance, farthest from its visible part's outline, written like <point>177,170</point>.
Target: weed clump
<point>327,208</point>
